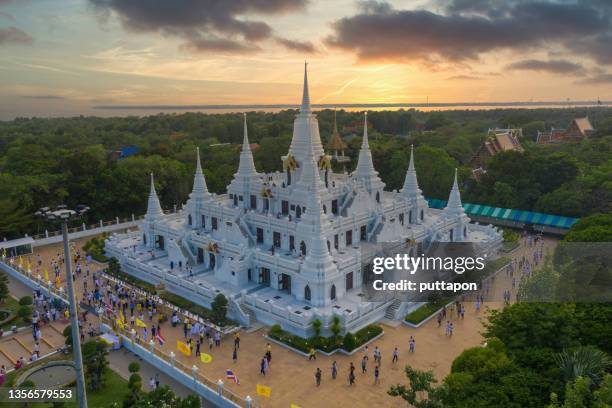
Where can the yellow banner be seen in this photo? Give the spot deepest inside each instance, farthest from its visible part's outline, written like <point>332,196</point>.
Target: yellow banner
<point>206,358</point>
<point>295,406</point>
<point>183,348</point>
<point>263,390</point>
<point>140,323</point>
<point>46,275</point>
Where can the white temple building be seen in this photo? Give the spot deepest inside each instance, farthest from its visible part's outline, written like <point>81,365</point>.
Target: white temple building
<point>287,247</point>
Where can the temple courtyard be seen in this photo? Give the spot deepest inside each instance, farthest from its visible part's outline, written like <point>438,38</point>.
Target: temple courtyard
<point>291,376</point>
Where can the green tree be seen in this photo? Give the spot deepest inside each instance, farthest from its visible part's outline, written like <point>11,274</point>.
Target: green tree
<point>348,342</point>
<point>68,336</point>
<point>95,363</point>
<point>4,290</point>
<point>316,326</point>
<point>603,396</point>
<point>219,308</point>
<point>164,397</point>
<point>586,362</point>
<point>336,326</point>
<point>594,228</point>
<point>419,391</point>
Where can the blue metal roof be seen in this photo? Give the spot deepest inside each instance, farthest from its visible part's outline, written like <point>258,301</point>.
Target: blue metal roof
<point>528,217</point>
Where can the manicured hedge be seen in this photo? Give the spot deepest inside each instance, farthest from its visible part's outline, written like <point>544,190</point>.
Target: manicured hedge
<point>192,307</point>
<point>326,344</point>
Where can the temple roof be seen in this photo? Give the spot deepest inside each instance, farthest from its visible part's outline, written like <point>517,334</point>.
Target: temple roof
<point>583,124</point>
<point>335,141</point>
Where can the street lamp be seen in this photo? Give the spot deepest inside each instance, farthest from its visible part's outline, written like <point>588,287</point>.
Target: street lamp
<point>62,214</point>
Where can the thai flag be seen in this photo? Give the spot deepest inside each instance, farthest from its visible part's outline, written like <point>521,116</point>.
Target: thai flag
<point>159,338</point>
<point>229,374</point>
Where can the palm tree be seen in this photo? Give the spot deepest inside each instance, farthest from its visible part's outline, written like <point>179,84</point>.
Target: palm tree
<point>583,362</point>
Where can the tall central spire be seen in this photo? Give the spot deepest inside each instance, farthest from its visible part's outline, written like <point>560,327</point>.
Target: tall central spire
<point>305,95</point>
<point>305,130</point>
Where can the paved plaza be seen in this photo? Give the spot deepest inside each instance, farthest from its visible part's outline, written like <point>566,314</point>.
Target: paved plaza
<point>292,377</point>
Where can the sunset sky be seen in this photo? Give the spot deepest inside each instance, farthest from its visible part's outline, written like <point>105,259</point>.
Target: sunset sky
<point>63,57</point>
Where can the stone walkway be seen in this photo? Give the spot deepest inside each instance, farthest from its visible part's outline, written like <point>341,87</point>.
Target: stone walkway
<point>291,376</point>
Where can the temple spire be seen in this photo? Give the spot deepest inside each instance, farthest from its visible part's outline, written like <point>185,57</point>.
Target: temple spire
<point>365,167</point>
<point>200,190</point>
<point>411,186</point>
<point>247,165</point>
<point>154,210</point>
<point>305,108</point>
<point>335,131</point>
<point>454,206</point>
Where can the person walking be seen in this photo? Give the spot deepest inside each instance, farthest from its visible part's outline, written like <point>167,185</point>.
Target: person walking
<point>411,344</point>
<point>364,364</point>
<point>351,376</point>
<point>334,370</point>
<point>318,376</point>
<point>312,354</point>
<point>235,355</point>
<point>395,355</point>
<point>376,375</point>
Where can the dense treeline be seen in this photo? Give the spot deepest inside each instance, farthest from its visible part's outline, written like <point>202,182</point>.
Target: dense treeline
<point>70,160</point>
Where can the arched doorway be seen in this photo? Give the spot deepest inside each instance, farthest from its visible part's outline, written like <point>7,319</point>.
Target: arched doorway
<point>307,293</point>
<point>378,197</point>
<point>189,219</point>
<point>211,260</point>
<point>303,248</point>
<point>333,292</point>
<point>298,211</point>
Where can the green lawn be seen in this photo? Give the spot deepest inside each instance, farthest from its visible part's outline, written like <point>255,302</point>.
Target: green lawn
<point>425,311</point>
<point>13,305</point>
<point>114,391</point>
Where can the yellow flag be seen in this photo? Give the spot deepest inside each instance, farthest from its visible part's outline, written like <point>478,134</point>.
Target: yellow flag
<point>205,358</point>
<point>295,406</point>
<point>121,317</point>
<point>183,348</point>
<point>46,275</point>
<point>263,390</point>
<point>120,324</point>
<point>140,323</point>
<point>58,281</point>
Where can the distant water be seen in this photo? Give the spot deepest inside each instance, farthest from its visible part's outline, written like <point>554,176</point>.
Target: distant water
<point>141,110</point>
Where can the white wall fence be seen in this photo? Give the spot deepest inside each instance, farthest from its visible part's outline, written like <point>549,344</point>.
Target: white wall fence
<point>83,231</point>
